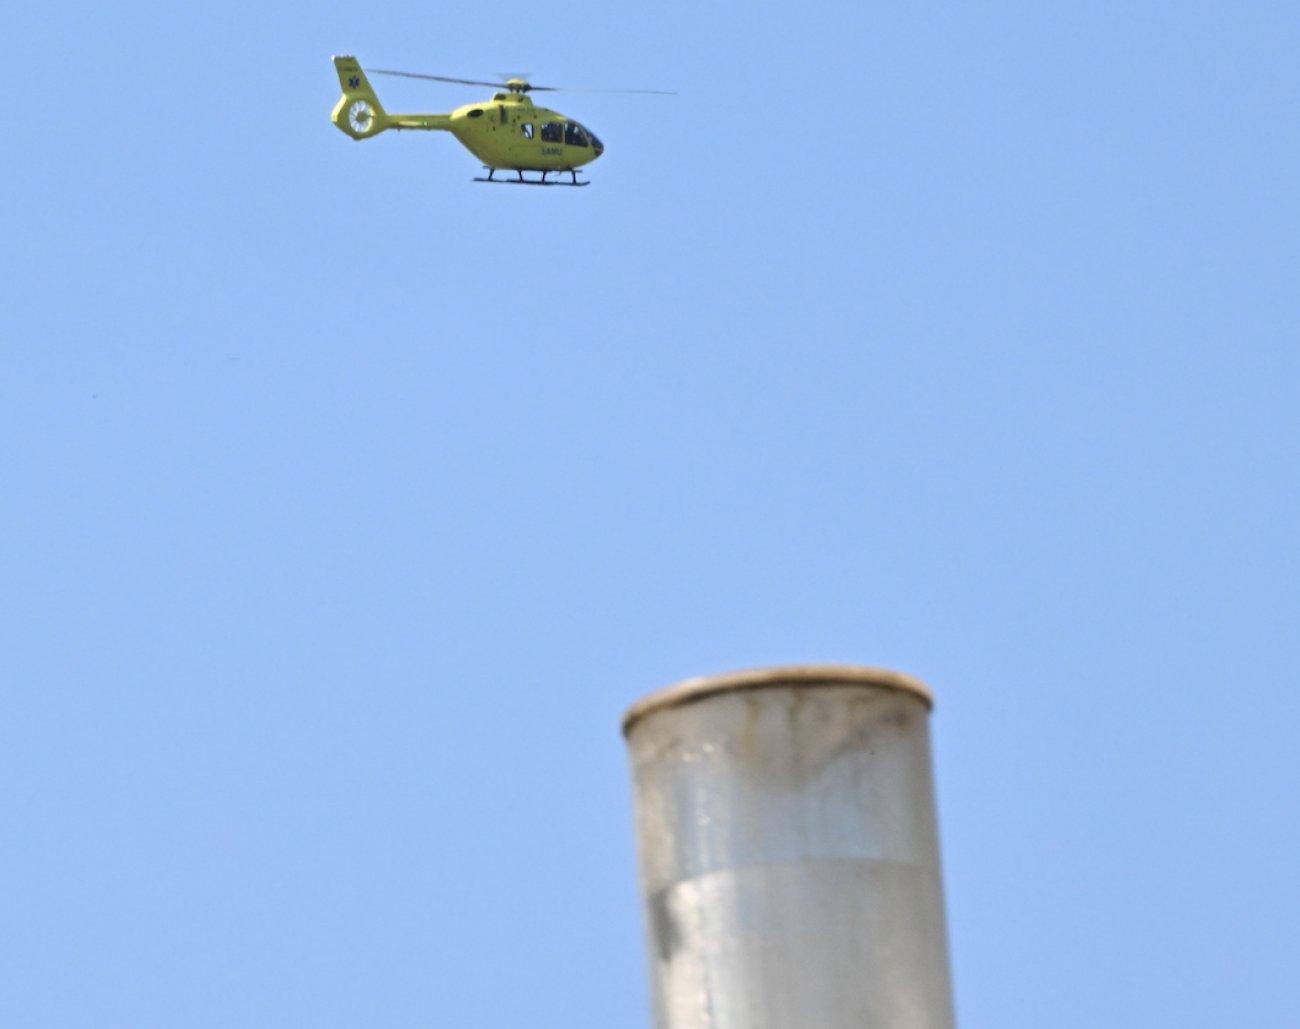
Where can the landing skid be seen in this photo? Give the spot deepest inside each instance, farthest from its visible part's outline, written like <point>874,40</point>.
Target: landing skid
<point>521,181</point>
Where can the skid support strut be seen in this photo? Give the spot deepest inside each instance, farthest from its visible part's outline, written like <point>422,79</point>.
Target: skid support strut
<point>521,181</point>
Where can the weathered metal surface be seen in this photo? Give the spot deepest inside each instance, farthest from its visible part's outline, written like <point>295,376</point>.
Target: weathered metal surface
<point>789,852</point>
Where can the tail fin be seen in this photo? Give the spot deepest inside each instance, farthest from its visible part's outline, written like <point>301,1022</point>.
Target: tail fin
<point>358,112</point>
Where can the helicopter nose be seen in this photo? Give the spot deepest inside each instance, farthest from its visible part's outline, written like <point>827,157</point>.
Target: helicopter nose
<point>597,147</point>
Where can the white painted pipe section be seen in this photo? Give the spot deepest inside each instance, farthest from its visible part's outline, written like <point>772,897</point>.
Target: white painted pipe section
<point>789,852</point>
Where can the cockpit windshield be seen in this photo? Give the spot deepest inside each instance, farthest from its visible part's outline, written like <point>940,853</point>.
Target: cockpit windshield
<point>570,133</point>
<point>577,135</point>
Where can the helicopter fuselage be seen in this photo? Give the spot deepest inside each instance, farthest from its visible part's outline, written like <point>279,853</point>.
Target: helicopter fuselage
<point>508,132</point>
<point>511,132</point>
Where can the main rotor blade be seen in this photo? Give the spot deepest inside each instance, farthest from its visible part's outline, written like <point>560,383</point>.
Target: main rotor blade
<point>437,78</point>
<point>528,87</point>
<point>579,89</point>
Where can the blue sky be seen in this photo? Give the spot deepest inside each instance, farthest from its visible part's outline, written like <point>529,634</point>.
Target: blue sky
<point>347,503</point>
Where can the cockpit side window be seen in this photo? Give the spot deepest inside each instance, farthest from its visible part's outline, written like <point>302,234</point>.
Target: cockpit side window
<point>575,134</point>
<point>553,132</point>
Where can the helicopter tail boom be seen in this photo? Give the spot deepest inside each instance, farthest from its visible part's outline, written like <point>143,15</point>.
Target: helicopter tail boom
<point>359,112</point>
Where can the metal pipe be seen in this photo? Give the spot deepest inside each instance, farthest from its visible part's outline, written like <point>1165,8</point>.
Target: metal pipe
<point>789,852</point>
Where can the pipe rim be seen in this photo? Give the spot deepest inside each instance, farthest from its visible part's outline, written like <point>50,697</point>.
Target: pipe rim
<point>689,691</point>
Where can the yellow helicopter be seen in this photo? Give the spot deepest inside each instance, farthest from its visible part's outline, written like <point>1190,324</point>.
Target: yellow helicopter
<point>507,133</point>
